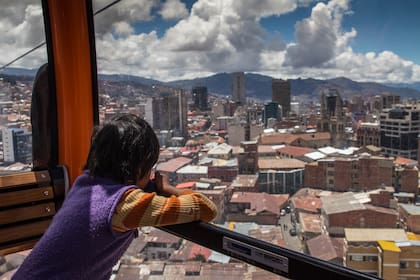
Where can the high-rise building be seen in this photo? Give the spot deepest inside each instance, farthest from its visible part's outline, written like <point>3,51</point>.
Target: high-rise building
<point>399,129</point>
<point>170,113</point>
<point>387,100</point>
<point>281,95</point>
<point>272,110</point>
<point>17,145</point>
<point>238,88</point>
<point>199,95</point>
<point>332,118</point>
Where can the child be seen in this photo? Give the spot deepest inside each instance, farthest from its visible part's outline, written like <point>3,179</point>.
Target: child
<point>106,204</point>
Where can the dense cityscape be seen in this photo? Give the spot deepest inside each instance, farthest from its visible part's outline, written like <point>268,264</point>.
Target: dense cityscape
<point>334,178</point>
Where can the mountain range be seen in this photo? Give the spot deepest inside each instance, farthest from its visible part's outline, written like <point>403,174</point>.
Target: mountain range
<point>258,86</point>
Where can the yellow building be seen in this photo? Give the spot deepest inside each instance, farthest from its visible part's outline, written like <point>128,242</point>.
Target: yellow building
<point>400,260</point>
<point>361,247</point>
<point>387,253</point>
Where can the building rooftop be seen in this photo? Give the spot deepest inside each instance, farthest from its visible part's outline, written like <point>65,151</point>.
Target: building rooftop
<point>221,149</point>
<point>325,247</point>
<point>295,151</point>
<point>259,202</point>
<point>271,234</point>
<point>283,163</point>
<point>374,234</point>
<point>310,222</point>
<point>411,209</point>
<point>245,181</point>
<point>288,138</point>
<point>307,203</point>
<point>315,155</point>
<point>327,150</point>
<point>388,246</point>
<point>156,235</point>
<point>173,165</point>
<point>266,149</point>
<point>193,169</point>
<point>341,203</point>
<point>405,161</point>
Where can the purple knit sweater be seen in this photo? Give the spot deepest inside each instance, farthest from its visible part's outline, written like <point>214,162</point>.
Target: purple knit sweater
<point>80,242</point>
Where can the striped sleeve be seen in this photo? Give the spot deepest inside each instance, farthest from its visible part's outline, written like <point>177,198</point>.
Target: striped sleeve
<point>137,208</point>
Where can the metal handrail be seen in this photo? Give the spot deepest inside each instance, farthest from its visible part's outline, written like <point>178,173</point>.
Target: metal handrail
<point>276,259</point>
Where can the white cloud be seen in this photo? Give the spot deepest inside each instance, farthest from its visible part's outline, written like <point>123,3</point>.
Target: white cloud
<point>21,26</point>
<point>319,38</point>
<point>173,10</point>
<point>130,11</point>
<point>263,8</point>
<point>122,28</point>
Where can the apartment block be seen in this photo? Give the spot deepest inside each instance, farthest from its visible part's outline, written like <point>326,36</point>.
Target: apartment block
<point>347,210</point>
<point>361,250</point>
<point>399,129</point>
<point>344,174</point>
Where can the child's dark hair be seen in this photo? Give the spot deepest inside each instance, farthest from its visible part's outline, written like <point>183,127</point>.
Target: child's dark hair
<point>123,149</point>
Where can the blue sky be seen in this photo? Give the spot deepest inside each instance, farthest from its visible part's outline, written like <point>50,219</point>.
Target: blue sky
<point>380,24</point>
<point>364,40</point>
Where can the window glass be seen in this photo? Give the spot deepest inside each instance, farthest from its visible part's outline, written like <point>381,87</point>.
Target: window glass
<point>267,97</point>
<point>23,53</point>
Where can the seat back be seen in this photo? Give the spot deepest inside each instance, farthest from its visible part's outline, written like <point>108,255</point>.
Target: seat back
<point>28,202</point>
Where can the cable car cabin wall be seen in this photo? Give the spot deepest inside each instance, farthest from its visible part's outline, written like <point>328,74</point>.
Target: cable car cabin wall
<point>63,114</point>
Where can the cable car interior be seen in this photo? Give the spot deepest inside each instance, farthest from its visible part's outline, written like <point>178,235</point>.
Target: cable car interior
<point>64,112</point>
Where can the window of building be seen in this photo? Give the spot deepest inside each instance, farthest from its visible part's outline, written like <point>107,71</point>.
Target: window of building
<point>403,265</point>
<point>371,258</point>
<point>356,258</point>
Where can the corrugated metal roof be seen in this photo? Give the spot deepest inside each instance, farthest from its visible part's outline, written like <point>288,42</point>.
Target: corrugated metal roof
<point>374,234</point>
<point>174,164</point>
<point>411,209</point>
<point>283,163</point>
<point>193,169</point>
<point>341,203</point>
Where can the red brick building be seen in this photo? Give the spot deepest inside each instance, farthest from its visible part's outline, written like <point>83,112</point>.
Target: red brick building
<point>248,157</point>
<point>260,208</point>
<point>368,134</point>
<point>311,140</point>
<point>344,210</point>
<point>373,172</point>
<point>220,197</point>
<point>344,174</point>
<point>225,173</point>
<point>410,217</point>
<point>406,175</point>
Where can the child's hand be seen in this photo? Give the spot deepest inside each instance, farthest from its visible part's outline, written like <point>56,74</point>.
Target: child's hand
<point>160,180</point>
<point>163,187</point>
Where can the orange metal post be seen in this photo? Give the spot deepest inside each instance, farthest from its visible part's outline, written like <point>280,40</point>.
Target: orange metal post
<point>72,66</point>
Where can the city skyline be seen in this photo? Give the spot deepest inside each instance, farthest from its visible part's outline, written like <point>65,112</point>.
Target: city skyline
<point>169,40</point>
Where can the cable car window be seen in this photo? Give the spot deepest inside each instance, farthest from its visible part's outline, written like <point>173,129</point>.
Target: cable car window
<point>267,106</point>
<point>24,54</point>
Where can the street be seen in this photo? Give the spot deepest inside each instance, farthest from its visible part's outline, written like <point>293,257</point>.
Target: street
<point>292,242</point>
